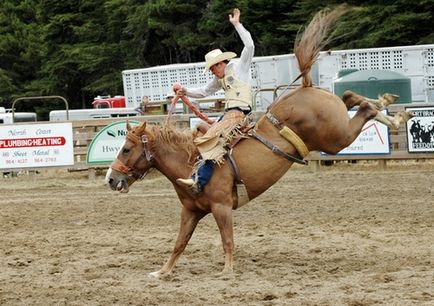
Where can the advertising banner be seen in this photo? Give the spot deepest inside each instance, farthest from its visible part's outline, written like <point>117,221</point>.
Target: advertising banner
<point>373,139</point>
<point>106,144</point>
<point>420,129</point>
<point>36,145</point>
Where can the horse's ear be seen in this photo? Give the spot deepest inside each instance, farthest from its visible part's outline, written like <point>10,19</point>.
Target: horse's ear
<point>141,128</point>
<point>128,125</point>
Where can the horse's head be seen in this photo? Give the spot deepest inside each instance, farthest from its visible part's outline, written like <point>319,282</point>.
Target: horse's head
<point>133,161</point>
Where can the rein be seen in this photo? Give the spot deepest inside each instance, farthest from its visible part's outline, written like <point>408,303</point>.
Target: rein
<point>190,105</point>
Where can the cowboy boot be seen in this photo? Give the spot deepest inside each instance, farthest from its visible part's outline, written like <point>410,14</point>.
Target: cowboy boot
<point>187,182</point>
<point>190,183</point>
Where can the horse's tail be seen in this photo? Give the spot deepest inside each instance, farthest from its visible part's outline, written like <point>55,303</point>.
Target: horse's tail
<point>309,43</point>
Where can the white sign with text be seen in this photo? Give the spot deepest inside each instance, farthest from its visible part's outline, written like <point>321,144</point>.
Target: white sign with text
<point>373,139</point>
<point>106,144</point>
<point>420,130</point>
<point>36,145</point>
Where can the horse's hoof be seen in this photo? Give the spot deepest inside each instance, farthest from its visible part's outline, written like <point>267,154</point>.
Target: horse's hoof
<point>405,115</point>
<point>383,101</point>
<point>226,275</point>
<point>154,275</point>
<point>401,118</point>
<point>389,98</point>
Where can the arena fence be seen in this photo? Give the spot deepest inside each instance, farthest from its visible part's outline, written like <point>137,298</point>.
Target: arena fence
<point>85,130</point>
<point>398,146</point>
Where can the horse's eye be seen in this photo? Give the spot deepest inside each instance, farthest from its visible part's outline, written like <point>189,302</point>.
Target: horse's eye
<point>126,151</point>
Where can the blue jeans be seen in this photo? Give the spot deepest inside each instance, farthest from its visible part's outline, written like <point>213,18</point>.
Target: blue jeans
<point>204,172</point>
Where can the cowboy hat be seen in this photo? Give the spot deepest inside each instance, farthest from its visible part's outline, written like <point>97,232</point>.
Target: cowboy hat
<point>216,56</point>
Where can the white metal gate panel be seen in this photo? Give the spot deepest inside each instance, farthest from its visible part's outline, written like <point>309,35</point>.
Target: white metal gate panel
<point>415,62</point>
<point>428,67</point>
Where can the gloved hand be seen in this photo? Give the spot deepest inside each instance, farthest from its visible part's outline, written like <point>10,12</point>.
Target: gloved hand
<point>178,89</point>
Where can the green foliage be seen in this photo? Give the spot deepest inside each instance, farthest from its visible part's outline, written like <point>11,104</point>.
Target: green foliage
<point>395,23</point>
<point>20,54</point>
<point>171,31</point>
<point>272,24</point>
<point>78,48</point>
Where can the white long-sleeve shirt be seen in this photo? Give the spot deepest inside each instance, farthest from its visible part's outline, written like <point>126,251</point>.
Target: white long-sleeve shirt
<point>241,67</point>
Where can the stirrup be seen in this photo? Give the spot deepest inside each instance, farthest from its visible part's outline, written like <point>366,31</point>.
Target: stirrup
<point>195,189</point>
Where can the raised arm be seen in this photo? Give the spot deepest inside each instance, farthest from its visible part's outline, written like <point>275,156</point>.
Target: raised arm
<point>246,57</point>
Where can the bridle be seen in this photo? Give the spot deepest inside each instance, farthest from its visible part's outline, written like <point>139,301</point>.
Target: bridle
<point>147,153</point>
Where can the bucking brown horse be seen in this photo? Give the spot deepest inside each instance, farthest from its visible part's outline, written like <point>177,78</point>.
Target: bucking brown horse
<point>318,117</point>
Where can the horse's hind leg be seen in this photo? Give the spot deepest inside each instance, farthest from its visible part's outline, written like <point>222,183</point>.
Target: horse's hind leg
<point>364,113</point>
<point>395,121</point>
<point>189,220</point>
<point>352,99</point>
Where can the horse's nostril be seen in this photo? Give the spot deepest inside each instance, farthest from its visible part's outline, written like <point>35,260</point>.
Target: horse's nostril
<point>110,181</point>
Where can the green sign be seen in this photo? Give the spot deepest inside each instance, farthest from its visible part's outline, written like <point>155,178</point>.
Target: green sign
<point>106,144</point>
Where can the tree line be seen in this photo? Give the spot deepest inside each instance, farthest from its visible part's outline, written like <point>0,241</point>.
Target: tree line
<point>78,48</point>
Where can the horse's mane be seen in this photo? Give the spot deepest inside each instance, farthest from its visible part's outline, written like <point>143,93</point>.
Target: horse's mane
<point>316,36</point>
<point>170,139</point>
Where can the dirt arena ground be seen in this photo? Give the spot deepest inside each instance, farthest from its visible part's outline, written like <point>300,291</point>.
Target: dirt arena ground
<point>347,235</point>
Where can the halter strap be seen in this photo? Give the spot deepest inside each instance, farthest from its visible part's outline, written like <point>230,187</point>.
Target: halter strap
<point>147,153</point>
<point>121,167</point>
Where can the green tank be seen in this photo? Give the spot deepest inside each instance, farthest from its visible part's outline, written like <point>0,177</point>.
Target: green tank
<point>374,83</point>
<point>344,72</point>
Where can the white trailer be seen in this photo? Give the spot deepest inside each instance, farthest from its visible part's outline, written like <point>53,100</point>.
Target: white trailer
<point>6,116</point>
<point>414,62</point>
<point>93,113</point>
<point>269,72</point>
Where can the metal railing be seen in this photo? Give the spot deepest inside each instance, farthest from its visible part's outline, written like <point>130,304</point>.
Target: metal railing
<point>40,98</point>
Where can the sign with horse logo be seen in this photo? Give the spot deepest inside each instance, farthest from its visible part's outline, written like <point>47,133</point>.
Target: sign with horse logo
<point>420,129</point>
<point>107,142</point>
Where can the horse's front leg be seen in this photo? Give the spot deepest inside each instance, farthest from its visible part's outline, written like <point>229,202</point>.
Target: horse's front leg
<point>223,217</point>
<point>189,220</point>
